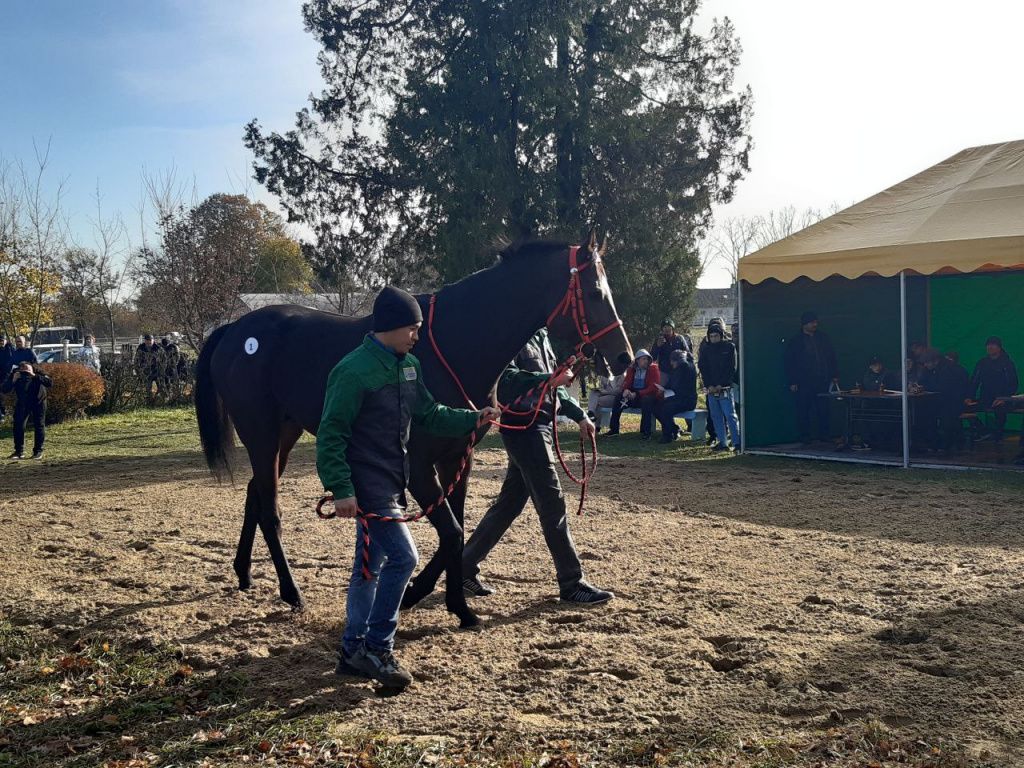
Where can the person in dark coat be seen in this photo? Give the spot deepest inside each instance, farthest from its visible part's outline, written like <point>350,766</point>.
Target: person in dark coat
<point>679,391</point>
<point>6,356</point>
<point>876,378</point>
<point>951,386</point>
<point>717,366</point>
<point>170,358</point>
<point>149,365</point>
<point>30,389</point>
<point>667,343</point>
<point>531,476</point>
<point>22,353</point>
<point>995,377</point>
<point>811,366</point>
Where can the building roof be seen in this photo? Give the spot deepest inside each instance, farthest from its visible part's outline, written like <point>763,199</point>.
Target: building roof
<point>965,214</point>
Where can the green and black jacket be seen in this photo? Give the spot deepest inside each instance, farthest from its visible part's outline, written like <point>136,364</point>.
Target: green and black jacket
<point>532,366</point>
<point>372,398</point>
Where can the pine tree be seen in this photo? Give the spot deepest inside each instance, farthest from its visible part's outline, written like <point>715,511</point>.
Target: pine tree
<point>447,124</point>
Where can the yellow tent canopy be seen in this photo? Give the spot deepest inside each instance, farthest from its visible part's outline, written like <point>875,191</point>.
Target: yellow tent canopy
<point>965,214</point>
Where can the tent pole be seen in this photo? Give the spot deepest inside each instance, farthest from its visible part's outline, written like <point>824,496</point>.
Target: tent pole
<point>743,385</point>
<point>903,368</point>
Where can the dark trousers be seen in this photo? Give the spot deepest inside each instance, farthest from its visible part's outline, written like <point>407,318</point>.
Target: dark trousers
<point>812,411</point>
<point>22,413</point>
<point>667,410</point>
<point>531,475</point>
<point>646,405</point>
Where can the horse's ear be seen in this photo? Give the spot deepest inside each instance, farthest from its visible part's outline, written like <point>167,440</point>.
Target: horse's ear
<point>604,246</point>
<point>592,245</point>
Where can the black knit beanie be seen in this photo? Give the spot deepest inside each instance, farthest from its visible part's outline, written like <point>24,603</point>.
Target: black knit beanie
<point>394,308</point>
<point>808,317</point>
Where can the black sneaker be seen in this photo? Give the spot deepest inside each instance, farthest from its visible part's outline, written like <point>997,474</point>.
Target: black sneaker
<point>645,436</point>
<point>719,448</point>
<point>473,587</point>
<point>16,456</point>
<point>37,455</point>
<point>345,667</point>
<point>611,432</point>
<point>585,594</point>
<point>381,666</point>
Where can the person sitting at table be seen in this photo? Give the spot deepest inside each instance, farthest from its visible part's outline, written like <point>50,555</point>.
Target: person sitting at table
<point>914,372</point>
<point>951,385</point>
<point>876,378</point>
<point>994,378</point>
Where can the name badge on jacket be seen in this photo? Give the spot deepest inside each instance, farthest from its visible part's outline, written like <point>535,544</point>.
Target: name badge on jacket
<point>410,373</point>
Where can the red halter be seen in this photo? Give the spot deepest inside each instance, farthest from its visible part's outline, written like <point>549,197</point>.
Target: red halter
<point>573,302</point>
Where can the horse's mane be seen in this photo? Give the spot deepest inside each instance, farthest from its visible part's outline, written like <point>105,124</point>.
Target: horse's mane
<point>527,247</point>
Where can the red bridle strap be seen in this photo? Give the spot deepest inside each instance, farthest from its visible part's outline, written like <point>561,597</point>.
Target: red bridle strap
<point>573,303</point>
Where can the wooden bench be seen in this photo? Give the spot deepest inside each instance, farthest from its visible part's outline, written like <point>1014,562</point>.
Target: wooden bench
<point>698,417</point>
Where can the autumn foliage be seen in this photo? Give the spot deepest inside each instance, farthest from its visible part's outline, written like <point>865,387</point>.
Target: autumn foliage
<point>75,389</point>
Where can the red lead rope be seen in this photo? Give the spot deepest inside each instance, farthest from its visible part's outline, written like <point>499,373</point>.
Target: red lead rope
<point>571,303</point>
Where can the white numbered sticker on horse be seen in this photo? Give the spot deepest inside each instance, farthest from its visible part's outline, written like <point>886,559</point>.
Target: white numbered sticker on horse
<point>410,374</point>
<point>251,345</point>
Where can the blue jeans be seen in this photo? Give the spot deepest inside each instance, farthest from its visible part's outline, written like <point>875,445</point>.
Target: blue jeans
<point>724,412</point>
<point>372,606</point>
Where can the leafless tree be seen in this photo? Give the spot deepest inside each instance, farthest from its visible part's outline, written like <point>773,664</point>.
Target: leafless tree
<point>32,236</point>
<point>734,238</point>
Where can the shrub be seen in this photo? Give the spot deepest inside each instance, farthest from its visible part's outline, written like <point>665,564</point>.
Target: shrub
<point>75,389</point>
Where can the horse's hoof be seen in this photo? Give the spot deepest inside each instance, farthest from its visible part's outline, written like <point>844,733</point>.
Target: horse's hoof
<point>295,601</point>
<point>244,581</point>
<point>410,599</point>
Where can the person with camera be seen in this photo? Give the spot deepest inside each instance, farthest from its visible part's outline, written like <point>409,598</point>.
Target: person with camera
<point>668,342</point>
<point>30,390</point>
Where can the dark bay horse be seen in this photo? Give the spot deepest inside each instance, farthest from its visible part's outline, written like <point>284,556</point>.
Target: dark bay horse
<point>265,375</point>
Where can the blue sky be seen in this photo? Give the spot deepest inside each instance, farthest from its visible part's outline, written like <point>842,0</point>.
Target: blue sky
<point>849,98</point>
<point>122,85</point>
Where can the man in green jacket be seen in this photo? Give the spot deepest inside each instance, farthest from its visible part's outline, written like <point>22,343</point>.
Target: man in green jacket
<point>532,476</point>
<point>373,395</point>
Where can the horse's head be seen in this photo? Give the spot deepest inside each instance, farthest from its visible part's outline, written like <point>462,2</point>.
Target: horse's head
<point>588,314</point>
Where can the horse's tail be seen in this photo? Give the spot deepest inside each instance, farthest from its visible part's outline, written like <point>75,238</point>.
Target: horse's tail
<point>215,429</point>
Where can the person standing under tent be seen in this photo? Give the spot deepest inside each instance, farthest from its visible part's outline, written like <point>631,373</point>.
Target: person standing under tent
<point>811,367</point>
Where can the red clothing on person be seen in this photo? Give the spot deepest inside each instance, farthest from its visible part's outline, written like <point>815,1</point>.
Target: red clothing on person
<point>650,383</point>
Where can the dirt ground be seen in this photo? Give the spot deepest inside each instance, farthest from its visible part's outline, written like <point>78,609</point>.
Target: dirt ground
<point>756,597</point>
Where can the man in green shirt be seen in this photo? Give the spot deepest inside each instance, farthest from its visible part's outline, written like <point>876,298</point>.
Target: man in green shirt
<point>373,396</point>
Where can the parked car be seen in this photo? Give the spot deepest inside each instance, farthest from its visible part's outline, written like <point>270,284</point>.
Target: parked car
<point>57,355</point>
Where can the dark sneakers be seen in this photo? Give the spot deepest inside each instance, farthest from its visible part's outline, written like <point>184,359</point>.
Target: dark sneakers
<point>37,455</point>
<point>378,665</point>
<point>473,587</point>
<point>346,668</point>
<point>585,594</point>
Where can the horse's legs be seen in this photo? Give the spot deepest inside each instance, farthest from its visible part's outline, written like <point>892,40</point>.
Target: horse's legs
<point>243,555</point>
<point>290,433</point>
<point>446,520</point>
